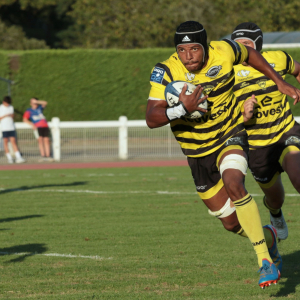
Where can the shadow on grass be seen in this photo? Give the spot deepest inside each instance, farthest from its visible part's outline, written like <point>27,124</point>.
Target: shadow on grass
<point>291,272</point>
<point>32,187</point>
<point>23,251</point>
<point>19,218</point>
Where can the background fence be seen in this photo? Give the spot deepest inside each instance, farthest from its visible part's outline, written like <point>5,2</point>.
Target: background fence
<point>99,140</point>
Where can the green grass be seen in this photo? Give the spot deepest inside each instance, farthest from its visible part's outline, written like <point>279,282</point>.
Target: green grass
<point>152,245</point>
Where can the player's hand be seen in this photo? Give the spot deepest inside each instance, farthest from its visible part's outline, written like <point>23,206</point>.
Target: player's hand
<point>249,108</point>
<point>191,102</point>
<point>288,89</point>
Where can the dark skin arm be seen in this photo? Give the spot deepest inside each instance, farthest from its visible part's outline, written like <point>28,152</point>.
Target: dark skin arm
<point>156,109</point>
<point>296,72</point>
<point>257,61</point>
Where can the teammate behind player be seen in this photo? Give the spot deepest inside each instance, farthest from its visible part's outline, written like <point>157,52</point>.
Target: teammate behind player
<point>274,136</point>
<point>216,144</point>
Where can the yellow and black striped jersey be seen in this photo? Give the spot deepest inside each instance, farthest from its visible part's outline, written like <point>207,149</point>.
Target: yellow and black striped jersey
<point>272,115</point>
<point>203,136</point>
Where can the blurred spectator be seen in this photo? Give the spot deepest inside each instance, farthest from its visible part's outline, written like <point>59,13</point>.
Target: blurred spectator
<point>35,118</point>
<point>8,130</point>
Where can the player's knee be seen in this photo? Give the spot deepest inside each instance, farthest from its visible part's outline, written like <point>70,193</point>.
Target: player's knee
<point>225,213</point>
<point>234,180</point>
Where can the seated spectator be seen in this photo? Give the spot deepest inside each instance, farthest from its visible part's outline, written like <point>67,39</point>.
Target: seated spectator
<point>35,118</point>
<point>8,130</point>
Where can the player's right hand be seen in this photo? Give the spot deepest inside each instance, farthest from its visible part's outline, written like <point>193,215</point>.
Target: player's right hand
<point>290,90</point>
<point>191,102</point>
<point>249,108</point>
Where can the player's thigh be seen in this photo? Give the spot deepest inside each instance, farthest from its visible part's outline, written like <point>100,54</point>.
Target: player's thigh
<point>5,140</point>
<point>233,168</point>
<point>291,165</point>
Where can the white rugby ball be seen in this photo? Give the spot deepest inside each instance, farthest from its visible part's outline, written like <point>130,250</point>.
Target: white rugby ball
<point>172,91</point>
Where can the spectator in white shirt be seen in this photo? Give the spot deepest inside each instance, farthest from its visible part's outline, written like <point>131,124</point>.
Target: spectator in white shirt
<point>8,130</point>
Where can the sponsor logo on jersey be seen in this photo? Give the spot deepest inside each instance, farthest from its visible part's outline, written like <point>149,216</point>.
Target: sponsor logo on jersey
<point>244,84</point>
<point>223,109</point>
<point>157,75</point>
<point>272,65</point>
<point>186,39</point>
<point>259,243</point>
<point>243,73</point>
<point>38,117</point>
<point>262,83</point>
<point>207,89</point>
<point>189,76</point>
<point>213,71</point>
<point>267,101</point>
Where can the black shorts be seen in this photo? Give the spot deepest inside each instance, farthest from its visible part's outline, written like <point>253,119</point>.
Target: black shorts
<point>205,169</point>
<point>265,163</point>
<point>44,131</point>
<point>7,134</point>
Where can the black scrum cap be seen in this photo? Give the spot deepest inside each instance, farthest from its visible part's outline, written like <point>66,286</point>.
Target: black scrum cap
<point>191,32</point>
<point>249,31</point>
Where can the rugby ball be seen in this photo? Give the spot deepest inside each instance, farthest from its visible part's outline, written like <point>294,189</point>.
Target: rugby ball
<point>172,91</point>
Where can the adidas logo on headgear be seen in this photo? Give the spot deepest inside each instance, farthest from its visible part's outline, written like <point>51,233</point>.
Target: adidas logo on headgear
<point>186,39</point>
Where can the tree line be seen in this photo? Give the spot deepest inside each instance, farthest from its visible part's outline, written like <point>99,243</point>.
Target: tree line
<point>131,24</point>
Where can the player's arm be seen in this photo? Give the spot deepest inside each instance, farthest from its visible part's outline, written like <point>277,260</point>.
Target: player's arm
<point>29,123</point>
<point>257,61</point>
<point>8,115</point>
<point>42,102</point>
<point>296,72</point>
<point>26,120</point>
<point>159,114</point>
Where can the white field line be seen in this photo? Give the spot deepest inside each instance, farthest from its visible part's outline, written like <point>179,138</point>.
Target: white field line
<point>57,255</point>
<point>117,192</point>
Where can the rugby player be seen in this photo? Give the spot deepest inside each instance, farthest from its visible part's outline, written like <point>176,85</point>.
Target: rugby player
<point>274,135</point>
<point>215,144</point>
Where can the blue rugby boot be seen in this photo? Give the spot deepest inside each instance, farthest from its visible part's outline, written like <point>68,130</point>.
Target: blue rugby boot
<point>273,250</point>
<point>268,274</point>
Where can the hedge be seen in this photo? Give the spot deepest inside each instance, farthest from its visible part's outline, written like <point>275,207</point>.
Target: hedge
<point>86,84</point>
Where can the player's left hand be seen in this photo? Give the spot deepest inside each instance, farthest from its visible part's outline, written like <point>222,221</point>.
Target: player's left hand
<point>288,89</point>
<point>249,108</point>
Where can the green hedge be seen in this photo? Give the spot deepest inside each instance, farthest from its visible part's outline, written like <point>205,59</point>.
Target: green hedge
<point>87,84</point>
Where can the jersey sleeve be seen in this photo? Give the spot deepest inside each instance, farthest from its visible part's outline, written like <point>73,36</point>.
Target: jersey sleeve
<point>290,64</point>
<point>238,51</point>
<point>159,79</point>
<point>26,115</point>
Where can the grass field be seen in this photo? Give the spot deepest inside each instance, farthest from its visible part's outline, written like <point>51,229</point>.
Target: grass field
<point>132,233</point>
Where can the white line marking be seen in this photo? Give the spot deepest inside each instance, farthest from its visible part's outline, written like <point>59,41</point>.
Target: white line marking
<point>118,192</point>
<point>57,255</point>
